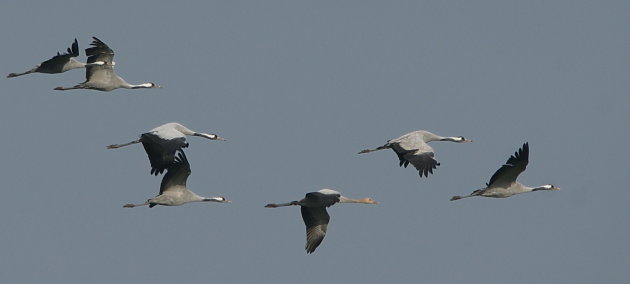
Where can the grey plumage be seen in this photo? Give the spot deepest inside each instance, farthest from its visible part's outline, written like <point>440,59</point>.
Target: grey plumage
<point>503,182</point>
<point>99,73</point>
<point>313,208</point>
<point>173,190</point>
<point>57,64</point>
<point>162,142</point>
<point>412,148</point>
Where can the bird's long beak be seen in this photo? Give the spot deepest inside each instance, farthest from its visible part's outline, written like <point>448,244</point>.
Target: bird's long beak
<point>555,188</point>
<point>467,140</point>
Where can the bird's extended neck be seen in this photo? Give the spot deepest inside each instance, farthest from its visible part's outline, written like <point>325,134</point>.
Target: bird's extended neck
<point>545,187</point>
<point>452,139</point>
<point>182,129</point>
<point>219,199</point>
<point>208,136</point>
<point>366,200</point>
<point>139,86</point>
<point>457,139</point>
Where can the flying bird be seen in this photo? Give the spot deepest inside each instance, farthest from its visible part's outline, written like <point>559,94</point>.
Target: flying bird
<point>99,71</point>
<point>58,64</point>
<point>313,207</point>
<point>503,182</point>
<point>162,142</point>
<point>173,191</point>
<point>413,148</point>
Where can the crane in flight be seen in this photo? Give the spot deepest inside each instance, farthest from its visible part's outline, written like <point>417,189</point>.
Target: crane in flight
<point>58,64</point>
<point>99,72</point>
<point>162,142</point>
<point>173,191</point>
<point>503,182</point>
<point>313,207</point>
<point>412,148</point>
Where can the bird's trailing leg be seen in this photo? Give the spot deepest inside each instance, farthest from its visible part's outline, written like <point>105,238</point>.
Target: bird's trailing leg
<point>114,146</point>
<point>274,205</point>
<point>475,193</point>
<point>457,197</point>
<point>11,75</point>
<point>69,88</point>
<point>372,150</point>
<point>131,205</point>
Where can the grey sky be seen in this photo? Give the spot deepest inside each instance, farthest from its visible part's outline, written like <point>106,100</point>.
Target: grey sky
<point>298,88</point>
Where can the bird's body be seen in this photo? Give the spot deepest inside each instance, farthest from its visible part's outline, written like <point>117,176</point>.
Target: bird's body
<point>313,208</point>
<point>58,64</point>
<point>412,148</point>
<point>162,142</point>
<point>173,191</point>
<point>503,182</point>
<point>99,73</point>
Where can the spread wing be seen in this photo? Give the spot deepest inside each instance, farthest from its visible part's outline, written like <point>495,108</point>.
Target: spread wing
<point>316,220</point>
<point>177,174</point>
<point>54,65</point>
<point>514,166</point>
<point>161,152</point>
<point>99,52</point>
<point>57,62</point>
<point>419,154</point>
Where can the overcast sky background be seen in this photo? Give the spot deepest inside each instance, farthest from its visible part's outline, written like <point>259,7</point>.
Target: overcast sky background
<point>298,88</point>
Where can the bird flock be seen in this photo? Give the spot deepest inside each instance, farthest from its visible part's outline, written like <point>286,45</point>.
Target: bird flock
<point>99,69</point>
<point>164,146</point>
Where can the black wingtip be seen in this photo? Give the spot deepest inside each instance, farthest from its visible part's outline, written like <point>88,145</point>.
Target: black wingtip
<point>97,42</point>
<point>181,157</point>
<point>524,151</point>
<point>75,48</point>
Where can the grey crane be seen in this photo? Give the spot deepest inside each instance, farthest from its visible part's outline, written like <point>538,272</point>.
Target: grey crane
<point>413,148</point>
<point>173,191</point>
<point>162,142</point>
<point>503,182</point>
<point>99,73</point>
<point>58,64</point>
<point>313,208</point>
